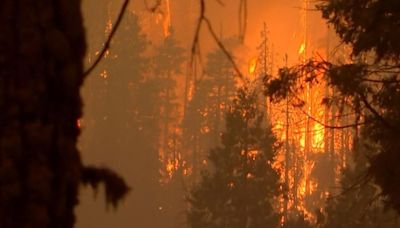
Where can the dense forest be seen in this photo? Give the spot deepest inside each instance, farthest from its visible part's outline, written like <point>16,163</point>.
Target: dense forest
<point>188,113</point>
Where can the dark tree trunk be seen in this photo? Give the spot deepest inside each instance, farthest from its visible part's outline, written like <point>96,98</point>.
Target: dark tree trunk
<point>41,54</point>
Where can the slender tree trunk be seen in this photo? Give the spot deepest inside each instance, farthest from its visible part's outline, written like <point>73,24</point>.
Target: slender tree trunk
<point>217,123</point>
<point>287,164</point>
<point>41,54</point>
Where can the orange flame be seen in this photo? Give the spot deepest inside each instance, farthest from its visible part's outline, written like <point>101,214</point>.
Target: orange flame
<point>302,48</point>
<point>252,65</point>
<point>163,17</point>
<point>167,19</point>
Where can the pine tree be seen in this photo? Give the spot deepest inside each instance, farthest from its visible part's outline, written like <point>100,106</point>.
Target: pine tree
<point>239,189</point>
<point>203,120</point>
<point>360,204</point>
<point>163,100</point>
<point>370,28</point>
<point>157,113</point>
<point>112,107</point>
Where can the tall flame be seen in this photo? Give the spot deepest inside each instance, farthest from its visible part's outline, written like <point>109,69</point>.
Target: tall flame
<point>163,17</point>
<point>167,19</point>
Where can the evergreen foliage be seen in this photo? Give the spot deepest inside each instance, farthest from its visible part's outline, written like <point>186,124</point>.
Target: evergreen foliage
<point>367,25</point>
<point>360,204</point>
<point>203,120</point>
<point>161,95</point>
<point>240,188</point>
<point>372,30</point>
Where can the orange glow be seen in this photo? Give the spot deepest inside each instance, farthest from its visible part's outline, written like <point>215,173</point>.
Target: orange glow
<point>302,49</point>
<point>167,19</point>
<point>190,91</point>
<point>253,154</point>
<point>164,17</point>
<point>278,128</point>
<point>205,130</point>
<point>318,137</point>
<point>300,139</point>
<point>303,137</point>
<point>79,123</point>
<point>306,139</point>
<point>252,66</point>
<point>109,26</point>
<point>170,168</point>
<point>249,176</point>
<point>104,74</point>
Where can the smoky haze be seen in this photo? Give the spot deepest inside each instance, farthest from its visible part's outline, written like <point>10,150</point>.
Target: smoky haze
<point>109,135</point>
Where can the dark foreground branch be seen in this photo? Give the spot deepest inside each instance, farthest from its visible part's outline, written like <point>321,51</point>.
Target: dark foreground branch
<point>115,187</point>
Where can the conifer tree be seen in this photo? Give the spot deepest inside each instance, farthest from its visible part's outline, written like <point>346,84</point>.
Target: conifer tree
<point>239,188</point>
<point>162,96</point>
<point>203,121</point>
<point>360,203</point>
<point>112,106</point>
<point>371,29</point>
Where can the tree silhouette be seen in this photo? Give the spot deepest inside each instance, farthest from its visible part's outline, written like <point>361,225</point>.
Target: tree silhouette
<point>239,190</point>
<point>371,29</point>
<point>362,201</point>
<point>113,107</point>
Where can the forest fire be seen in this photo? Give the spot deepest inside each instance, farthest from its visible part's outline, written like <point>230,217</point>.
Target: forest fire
<point>193,130</point>
<point>200,113</point>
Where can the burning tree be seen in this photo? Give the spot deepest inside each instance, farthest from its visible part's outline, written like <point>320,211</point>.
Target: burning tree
<point>368,84</point>
<point>239,189</point>
<point>167,67</point>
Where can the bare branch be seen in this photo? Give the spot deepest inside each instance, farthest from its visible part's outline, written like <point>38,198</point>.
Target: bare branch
<point>108,42</point>
<point>195,45</point>
<point>332,126</point>
<point>376,113</point>
<point>222,47</point>
<point>220,2</point>
<point>382,81</point>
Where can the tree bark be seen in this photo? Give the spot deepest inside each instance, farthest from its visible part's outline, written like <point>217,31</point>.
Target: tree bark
<point>42,46</point>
